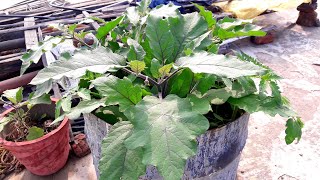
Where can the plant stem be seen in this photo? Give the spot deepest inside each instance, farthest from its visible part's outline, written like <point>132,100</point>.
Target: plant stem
<point>152,81</point>
<point>234,113</point>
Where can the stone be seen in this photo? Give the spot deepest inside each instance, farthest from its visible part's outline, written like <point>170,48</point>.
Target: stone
<point>308,19</point>
<point>80,146</point>
<point>308,15</point>
<point>268,38</point>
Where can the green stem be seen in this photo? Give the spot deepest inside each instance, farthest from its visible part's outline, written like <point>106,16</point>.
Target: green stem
<point>234,113</point>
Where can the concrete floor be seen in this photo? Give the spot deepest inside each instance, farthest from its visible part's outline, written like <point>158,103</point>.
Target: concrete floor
<point>266,156</point>
<point>292,55</point>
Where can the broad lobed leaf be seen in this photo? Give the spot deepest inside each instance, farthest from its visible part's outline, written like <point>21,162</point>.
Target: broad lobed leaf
<point>220,65</point>
<point>118,162</point>
<point>81,108</point>
<point>34,55</point>
<point>166,129</point>
<point>118,91</point>
<point>99,60</point>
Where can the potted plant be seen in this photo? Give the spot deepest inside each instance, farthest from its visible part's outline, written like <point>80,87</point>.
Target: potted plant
<point>26,132</point>
<point>162,99</point>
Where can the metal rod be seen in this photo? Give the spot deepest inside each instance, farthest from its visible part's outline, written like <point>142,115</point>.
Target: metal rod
<point>73,9</point>
<point>17,81</point>
<point>5,31</point>
<point>24,16</point>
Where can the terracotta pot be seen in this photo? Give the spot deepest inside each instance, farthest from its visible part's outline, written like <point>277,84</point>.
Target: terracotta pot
<point>45,155</point>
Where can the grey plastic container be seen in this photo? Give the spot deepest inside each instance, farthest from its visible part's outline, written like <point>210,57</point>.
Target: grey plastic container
<point>217,158</point>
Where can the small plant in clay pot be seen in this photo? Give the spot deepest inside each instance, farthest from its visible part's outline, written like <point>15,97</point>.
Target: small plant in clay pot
<point>17,126</point>
<point>176,108</point>
<point>26,130</point>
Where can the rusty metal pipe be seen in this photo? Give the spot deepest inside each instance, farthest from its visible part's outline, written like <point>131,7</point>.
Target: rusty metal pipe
<point>12,44</point>
<point>17,81</point>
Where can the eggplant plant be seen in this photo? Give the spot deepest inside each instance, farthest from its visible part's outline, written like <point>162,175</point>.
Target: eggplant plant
<point>155,75</point>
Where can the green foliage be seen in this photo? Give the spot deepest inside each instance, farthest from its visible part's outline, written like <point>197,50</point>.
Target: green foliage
<point>136,51</point>
<point>219,65</point>
<point>104,30</point>
<point>200,105</point>
<point>66,104</point>
<point>164,128</point>
<point>117,161</point>
<point>14,95</point>
<point>99,60</point>
<point>84,94</point>
<point>137,66</point>
<point>110,114</point>
<point>82,108</point>
<point>118,91</point>
<point>35,53</point>
<point>181,83</point>
<point>4,121</point>
<point>34,133</point>
<point>154,75</point>
<point>227,28</point>
<point>20,116</point>
<point>207,15</point>
<point>293,131</point>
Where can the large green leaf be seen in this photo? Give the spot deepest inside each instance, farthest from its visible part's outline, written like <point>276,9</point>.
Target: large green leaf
<point>117,162</point>
<point>44,99</point>
<point>230,28</point>
<point>118,91</point>
<point>43,88</point>
<point>98,60</point>
<point>14,95</point>
<point>160,38</point>
<point>243,86</point>
<point>167,130</point>
<point>217,96</point>
<point>207,15</point>
<point>293,131</point>
<point>200,105</point>
<point>188,31</point>
<point>206,83</point>
<point>154,68</point>
<point>82,108</point>
<point>35,53</point>
<point>104,30</point>
<point>164,11</point>
<point>181,83</point>
<point>110,114</point>
<point>144,6</point>
<point>136,51</point>
<point>133,15</point>
<point>220,65</point>
<point>269,105</point>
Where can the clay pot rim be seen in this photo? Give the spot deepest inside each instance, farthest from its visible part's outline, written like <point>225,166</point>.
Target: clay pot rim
<point>225,126</point>
<point>23,143</point>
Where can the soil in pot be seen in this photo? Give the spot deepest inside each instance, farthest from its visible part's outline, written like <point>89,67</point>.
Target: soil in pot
<point>18,131</point>
<point>222,115</point>
<point>47,154</point>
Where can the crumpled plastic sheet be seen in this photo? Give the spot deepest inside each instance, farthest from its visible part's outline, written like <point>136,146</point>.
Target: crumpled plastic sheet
<point>248,9</point>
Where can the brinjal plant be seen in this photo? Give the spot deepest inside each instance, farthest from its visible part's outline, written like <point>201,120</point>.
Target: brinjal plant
<point>155,75</point>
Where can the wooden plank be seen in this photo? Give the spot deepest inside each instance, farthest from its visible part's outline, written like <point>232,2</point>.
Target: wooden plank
<point>30,36</point>
<point>94,24</point>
